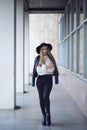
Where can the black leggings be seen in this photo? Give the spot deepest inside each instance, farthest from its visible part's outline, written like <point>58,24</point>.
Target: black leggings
<point>44,86</point>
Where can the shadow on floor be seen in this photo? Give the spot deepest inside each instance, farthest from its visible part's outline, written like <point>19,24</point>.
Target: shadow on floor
<point>27,115</point>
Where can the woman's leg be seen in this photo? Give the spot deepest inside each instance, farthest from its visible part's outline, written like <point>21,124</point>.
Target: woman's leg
<point>44,86</point>
<point>40,88</point>
<point>47,91</point>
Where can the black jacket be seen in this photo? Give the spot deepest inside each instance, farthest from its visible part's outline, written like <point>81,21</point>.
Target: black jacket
<point>34,75</point>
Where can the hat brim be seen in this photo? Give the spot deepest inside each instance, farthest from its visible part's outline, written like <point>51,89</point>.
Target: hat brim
<point>43,44</point>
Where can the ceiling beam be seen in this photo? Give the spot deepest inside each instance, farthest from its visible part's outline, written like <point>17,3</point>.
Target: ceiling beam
<point>26,5</point>
<point>46,10</point>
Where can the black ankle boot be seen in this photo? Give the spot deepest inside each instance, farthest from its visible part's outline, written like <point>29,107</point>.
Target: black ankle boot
<point>44,120</point>
<point>48,120</point>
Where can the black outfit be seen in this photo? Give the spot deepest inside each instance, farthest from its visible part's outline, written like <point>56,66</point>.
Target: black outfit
<point>44,86</point>
<point>34,75</point>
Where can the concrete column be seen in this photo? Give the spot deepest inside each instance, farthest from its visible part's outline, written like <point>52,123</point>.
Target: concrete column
<point>7,54</point>
<point>19,46</point>
<point>26,49</point>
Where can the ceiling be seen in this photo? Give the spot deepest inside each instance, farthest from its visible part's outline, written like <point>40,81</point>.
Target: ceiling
<point>45,6</point>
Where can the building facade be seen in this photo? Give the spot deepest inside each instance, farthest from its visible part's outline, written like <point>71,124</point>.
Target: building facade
<point>73,51</point>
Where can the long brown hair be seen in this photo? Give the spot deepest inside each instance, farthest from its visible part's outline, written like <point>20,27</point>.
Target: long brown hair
<point>49,54</point>
<point>51,57</point>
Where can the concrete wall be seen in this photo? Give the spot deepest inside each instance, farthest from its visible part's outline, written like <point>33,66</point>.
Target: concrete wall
<point>76,87</point>
<point>43,28</point>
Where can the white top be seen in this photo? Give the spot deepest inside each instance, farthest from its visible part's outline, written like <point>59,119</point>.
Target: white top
<point>42,70</point>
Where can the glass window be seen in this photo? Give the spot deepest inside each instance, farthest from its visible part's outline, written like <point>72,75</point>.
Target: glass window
<point>69,51</point>
<point>81,11</point>
<point>74,52</point>
<point>67,21</point>
<point>65,53</point>
<point>69,18</point>
<point>61,27</point>
<point>74,3</point>
<point>81,52</point>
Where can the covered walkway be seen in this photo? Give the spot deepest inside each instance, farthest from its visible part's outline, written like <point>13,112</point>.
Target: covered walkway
<point>20,110</point>
<point>65,113</point>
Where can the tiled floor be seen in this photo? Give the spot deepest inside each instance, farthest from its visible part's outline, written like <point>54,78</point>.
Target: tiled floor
<point>65,113</point>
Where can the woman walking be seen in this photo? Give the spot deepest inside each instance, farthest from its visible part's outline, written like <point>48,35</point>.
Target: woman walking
<point>44,68</point>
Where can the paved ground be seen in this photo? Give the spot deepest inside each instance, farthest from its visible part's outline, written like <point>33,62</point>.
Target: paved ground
<point>65,113</point>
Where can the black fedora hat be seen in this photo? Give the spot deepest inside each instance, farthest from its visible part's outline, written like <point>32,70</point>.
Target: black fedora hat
<point>43,44</point>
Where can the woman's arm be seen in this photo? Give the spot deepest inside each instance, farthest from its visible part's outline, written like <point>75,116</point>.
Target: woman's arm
<point>41,69</point>
<point>51,65</point>
<point>34,74</point>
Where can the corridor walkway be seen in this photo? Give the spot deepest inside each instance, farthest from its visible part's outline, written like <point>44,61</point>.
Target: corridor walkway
<point>65,113</point>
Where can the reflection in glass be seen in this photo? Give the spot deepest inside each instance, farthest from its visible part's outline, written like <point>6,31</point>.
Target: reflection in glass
<point>74,2</point>
<point>81,11</point>
<point>81,52</point>
<point>74,52</point>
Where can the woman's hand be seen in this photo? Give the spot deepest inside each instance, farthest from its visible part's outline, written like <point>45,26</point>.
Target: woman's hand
<point>39,64</point>
<point>41,58</point>
<point>41,54</point>
<point>51,65</point>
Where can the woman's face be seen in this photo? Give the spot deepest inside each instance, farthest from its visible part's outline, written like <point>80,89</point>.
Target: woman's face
<point>44,50</point>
